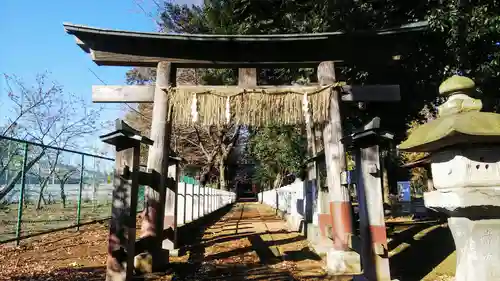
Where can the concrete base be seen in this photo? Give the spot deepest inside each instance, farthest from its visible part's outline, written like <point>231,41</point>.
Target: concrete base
<point>478,244</point>
<point>320,244</point>
<point>293,223</point>
<point>343,262</point>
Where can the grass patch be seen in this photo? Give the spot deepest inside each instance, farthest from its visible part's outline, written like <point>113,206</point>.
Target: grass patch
<point>50,217</point>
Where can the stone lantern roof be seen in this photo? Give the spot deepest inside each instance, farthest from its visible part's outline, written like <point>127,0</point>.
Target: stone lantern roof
<point>460,120</point>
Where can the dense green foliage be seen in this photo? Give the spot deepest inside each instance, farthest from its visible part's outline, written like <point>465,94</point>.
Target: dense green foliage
<point>278,150</point>
<point>419,73</point>
<point>447,48</point>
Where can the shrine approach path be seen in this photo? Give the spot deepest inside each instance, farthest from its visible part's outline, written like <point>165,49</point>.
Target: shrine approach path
<point>247,243</point>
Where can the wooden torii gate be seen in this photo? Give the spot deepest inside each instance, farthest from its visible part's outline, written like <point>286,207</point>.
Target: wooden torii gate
<point>247,102</point>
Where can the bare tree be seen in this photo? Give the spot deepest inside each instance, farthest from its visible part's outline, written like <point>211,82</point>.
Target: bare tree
<point>62,177</point>
<point>203,146</point>
<point>44,113</point>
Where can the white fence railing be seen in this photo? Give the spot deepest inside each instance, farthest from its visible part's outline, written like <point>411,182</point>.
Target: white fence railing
<point>194,202</point>
<point>291,199</point>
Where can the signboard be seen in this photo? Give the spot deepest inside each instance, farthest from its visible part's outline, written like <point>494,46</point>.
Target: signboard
<point>348,177</point>
<point>404,191</point>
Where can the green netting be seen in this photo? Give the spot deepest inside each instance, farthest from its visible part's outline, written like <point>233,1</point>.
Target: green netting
<point>188,180</point>
<point>10,167</point>
<point>141,199</point>
<point>98,190</point>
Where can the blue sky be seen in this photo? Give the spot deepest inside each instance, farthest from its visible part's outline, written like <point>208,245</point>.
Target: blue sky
<point>34,41</point>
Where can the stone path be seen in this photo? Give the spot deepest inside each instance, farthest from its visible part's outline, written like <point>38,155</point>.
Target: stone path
<point>251,243</point>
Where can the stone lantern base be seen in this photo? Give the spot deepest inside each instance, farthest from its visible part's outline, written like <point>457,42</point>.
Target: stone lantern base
<point>478,245</point>
<point>475,226</point>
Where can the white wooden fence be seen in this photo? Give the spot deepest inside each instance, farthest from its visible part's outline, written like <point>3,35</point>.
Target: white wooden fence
<point>291,200</point>
<point>194,202</point>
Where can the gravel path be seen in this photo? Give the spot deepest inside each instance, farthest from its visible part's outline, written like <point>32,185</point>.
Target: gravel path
<point>247,243</point>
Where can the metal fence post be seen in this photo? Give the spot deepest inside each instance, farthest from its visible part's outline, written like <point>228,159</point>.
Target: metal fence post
<point>21,195</point>
<point>79,204</point>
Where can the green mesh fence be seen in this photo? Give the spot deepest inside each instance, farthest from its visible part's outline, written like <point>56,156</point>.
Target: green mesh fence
<point>44,189</point>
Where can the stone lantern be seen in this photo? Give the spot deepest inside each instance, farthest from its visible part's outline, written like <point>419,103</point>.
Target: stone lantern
<point>464,148</point>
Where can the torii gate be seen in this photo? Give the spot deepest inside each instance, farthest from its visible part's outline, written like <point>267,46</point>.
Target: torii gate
<point>248,103</point>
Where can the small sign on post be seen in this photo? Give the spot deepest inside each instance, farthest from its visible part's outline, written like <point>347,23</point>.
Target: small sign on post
<point>404,196</point>
<point>121,247</point>
<point>404,191</point>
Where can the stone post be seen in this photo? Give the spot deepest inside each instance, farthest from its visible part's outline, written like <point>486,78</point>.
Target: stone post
<point>122,227</point>
<point>465,165</point>
<point>366,146</point>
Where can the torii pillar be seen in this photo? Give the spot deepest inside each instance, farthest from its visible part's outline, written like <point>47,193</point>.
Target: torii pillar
<point>153,217</point>
<point>340,259</point>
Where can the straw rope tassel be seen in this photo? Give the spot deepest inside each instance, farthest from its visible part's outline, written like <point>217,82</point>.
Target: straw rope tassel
<point>228,111</point>
<point>305,108</point>
<point>194,108</point>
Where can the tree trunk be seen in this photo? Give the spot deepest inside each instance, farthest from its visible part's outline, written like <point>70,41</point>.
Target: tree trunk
<point>44,200</point>
<point>18,176</point>
<point>62,184</point>
<point>278,180</point>
<point>46,180</point>
<point>63,195</point>
<point>5,166</point>
<point>222,175</point>
<point>40,196</point>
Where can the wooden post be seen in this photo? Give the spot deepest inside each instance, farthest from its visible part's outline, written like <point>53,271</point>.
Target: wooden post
<point>247,77</point>
<point>311,182</point>
<point>208,199</point>
<point>121,247</point>
<point>199,202</point>
<point>184,207</point>
<point>120,262</point>
<point>340,209</point>
<point>171,207</point>
<point>152,224</point>
<point>320,208</point>
<point>192,202</point>
<point>374,256</point>
<point>212,202</point>
<point>204,201</point>
<point>213,199</point>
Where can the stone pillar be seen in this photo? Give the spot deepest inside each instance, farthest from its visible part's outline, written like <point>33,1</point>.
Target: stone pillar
<point>366,146</point>
<point>122,231</point>
<point>374,258</point>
